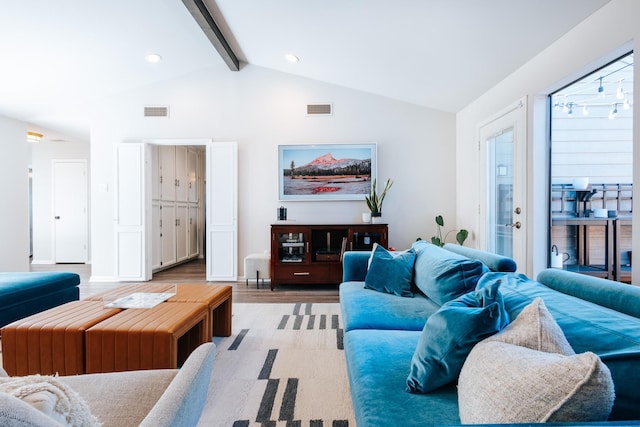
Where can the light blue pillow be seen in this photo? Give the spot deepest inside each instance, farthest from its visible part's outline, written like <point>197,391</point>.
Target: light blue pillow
<point>390,273</point>
<point>443,275</point>
<point>449,335</point>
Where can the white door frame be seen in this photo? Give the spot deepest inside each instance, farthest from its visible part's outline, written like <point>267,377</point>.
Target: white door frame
<point>513,116</point>
<point>133,221</point>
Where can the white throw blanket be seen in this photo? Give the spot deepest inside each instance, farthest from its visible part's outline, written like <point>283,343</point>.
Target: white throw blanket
<point>51,397</point>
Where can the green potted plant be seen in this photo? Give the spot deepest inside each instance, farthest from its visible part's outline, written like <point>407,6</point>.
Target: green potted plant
<point>374,201</point>
<point>461,234</point>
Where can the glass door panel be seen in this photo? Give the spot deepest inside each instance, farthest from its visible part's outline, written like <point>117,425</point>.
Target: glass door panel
<point>500,177</point>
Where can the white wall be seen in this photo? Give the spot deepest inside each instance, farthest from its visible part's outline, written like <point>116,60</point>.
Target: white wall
<point>261,108</point>
<point>14,195</point>
<point>602,37</point>
<point>42,156</point>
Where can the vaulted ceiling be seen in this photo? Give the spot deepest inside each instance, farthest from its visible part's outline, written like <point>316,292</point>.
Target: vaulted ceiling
<point>58,56</point>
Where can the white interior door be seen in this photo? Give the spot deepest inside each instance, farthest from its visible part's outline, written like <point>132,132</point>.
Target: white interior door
<point>221,211</point>
<point>70,222</point>
<point>502,210</point>
<point>133,212</point>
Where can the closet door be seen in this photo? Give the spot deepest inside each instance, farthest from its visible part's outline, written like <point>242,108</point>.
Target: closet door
<point>181,180</point>
<point>182,229</point>
<point>156,236</point>
<point>193,230</point>
<point>192,175</point>
<point>167,157</point>
<point>155,172</point>
<point>168,221</point>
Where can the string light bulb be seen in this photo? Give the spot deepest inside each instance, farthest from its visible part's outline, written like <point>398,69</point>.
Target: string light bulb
<point>601,88</point>
<point>613,112</point>
<point>620,91</point>
<point>585,110</point>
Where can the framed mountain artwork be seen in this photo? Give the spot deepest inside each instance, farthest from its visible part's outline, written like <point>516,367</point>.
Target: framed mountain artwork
<point>326,171</point>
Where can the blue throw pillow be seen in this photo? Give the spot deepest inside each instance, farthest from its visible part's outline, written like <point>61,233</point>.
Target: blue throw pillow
<point>443,275</point>
<point>449,335</point>
<point>390,273</point>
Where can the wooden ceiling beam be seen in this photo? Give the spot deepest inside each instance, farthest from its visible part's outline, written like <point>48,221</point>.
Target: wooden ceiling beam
<point>203,17</point>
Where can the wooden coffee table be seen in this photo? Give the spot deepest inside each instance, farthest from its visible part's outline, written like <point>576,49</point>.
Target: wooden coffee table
<point>161,337</point>
<point>217,297</point>
<point>84,336</point>
<point>52,341</point>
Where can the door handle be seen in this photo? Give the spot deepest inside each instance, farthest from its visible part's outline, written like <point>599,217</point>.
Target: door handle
<point>516,224</point>
<point>56,217</point>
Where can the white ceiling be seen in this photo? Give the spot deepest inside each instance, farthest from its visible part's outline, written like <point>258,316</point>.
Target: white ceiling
<point>58,56</point>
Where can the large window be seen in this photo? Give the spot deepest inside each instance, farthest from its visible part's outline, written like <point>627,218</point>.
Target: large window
<point>591,173</point>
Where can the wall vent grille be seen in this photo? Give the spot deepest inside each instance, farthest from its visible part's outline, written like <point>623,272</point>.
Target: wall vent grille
<point>319,109</point>
<point>156,111</point>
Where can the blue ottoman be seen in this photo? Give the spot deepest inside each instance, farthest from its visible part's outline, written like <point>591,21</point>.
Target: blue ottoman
<point>24,294</point>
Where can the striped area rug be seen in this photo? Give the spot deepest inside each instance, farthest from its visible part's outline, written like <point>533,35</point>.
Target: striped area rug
<point>283,367</point>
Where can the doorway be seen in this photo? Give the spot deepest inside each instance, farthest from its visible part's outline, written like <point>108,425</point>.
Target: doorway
<point>591,172</point>
<point>178,189</point>
<point>133,227</point>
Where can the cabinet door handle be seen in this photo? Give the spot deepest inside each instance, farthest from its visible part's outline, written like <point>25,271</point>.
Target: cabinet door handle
<point>307,246</point>
<point>303,273</point>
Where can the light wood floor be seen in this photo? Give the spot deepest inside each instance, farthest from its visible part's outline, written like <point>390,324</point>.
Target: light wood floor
<point>194,272</point>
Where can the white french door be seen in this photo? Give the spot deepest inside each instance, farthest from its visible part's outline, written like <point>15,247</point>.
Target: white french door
<point>503,225</point>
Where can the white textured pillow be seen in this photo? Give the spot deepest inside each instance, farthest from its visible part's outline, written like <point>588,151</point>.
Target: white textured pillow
<point>509,382</point>
<point>535,328</point>
<point>51,397</point>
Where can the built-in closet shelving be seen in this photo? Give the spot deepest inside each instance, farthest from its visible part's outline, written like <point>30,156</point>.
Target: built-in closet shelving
<point>176,204</point>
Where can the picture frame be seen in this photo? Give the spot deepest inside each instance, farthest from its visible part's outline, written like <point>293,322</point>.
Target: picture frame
<point>326,171</point>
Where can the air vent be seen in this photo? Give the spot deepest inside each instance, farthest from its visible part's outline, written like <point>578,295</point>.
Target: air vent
<point>319,110</point>
<point>156,111</point>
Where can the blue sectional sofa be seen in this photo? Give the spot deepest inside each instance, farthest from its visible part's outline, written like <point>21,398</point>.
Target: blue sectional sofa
<point>25,293</point>
<point>382,330</point>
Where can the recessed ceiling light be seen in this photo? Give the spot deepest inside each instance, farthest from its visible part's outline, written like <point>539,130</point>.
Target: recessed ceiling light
<point>153,58</point>
<point>291,57</point>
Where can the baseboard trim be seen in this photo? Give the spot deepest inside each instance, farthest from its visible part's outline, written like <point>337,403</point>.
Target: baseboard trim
<point>98,279</point>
